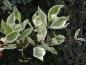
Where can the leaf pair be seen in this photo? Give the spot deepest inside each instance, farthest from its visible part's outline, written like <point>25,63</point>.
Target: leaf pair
<point>57,22</point>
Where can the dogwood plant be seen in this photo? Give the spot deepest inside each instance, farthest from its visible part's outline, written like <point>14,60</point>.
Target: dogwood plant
<point>16,33</point>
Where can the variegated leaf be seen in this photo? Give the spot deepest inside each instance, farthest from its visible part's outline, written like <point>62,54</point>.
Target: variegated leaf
<point>39,52</point>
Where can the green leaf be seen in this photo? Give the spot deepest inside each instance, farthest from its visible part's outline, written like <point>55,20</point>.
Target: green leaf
<point>59,23</point>
<point>11,37</point>
<point>42,32</point>
<point>53,12</point>
<point>18,27</point>
<point>76,36</point>
<point>5,27</point>
<point>11,19</point>
<point>43,16</point>
<point>30,40</point>
<point>17,14</point>
<point>39,18</point>
<point>25,33</point>
<point>39,52</point>
<point>46,47</point>
<point>59,39</point>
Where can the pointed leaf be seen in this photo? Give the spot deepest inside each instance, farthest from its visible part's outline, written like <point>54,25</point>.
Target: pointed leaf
<point>17,14</point>
<point>25,22</point>
<point>39,18</point>
<point>59,23</point>
<point>59,39</point>
<point>39,52</point>
<point>77,33</point>
<point>18,27</point>
<point>5,27</point>
<point>25,33</point>
<point>53,12</point>
<point>11,37</point>
<point>11,20</point>
<point>50,49</point>
<point>76,36</point>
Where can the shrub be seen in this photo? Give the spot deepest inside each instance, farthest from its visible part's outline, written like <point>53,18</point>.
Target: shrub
<point>18,36</point>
